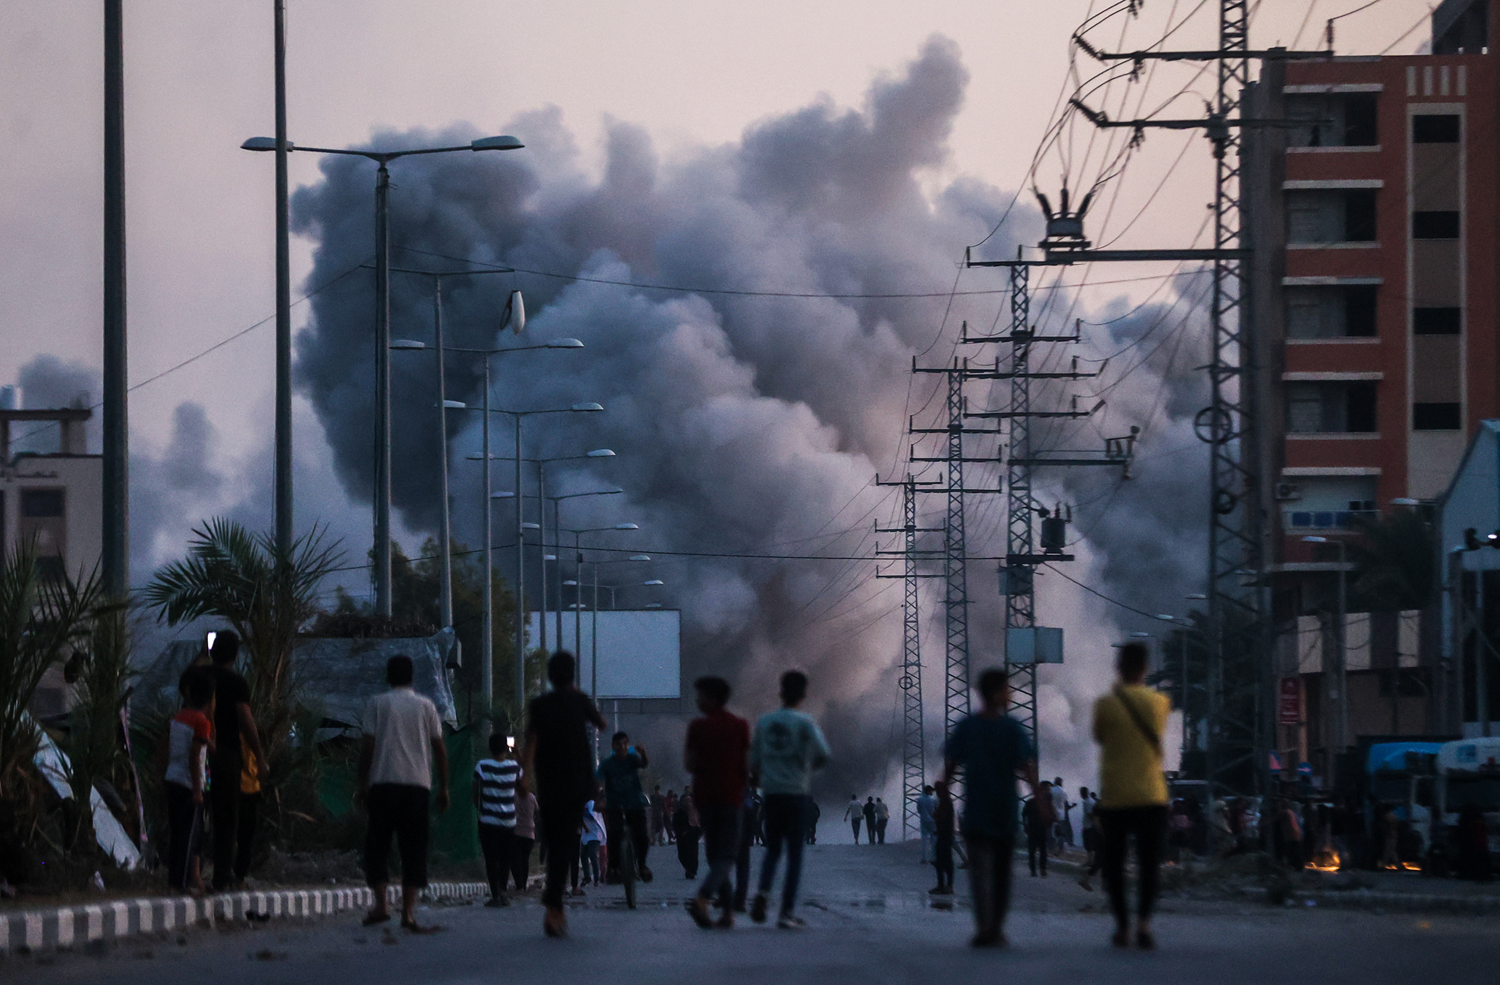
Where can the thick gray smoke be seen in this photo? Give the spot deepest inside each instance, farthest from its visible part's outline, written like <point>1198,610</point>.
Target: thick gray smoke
<point>746,426</point>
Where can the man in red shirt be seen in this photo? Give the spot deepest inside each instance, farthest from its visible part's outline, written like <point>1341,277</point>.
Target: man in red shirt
<point>716,753</point>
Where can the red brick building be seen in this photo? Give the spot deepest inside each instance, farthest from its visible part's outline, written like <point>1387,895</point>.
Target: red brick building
<point>1373,291</point>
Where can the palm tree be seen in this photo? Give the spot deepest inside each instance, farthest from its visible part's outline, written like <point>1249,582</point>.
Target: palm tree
<point>42,620</point>
<point>266,594</point>
<point>1395,563</point>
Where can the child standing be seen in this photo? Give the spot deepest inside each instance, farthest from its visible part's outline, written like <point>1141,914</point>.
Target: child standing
<point>189,740</point>
<point>495,782</point>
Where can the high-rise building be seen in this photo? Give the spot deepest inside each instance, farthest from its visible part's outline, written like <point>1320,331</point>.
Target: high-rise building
<point>1373,216</point>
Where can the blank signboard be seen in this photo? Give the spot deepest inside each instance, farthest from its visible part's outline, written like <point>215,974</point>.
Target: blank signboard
<point>640,650</point>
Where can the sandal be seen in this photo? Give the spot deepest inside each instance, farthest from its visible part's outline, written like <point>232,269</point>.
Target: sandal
<point>371,919</point>
<point>1144,940</point>
<point>1121,938</point>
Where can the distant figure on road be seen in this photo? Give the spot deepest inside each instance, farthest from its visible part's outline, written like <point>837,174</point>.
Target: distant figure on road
<point>495,782</point>
<point>716,753</point>
<point>993,749</point>
<point>1087,803</point>
<point>942,850</point>
<point>786,748</point>
<point>926,822</point>
<point>814,813</point>
<point>882,818</point>
<point>869,812</point>
<point>524,838</point>
<point>403,740</point>
<point>854,813</point>
<point>1034,814</point>
<point>1062,827</point>
<point>1128,725</point>
<point>658,819</point>
<point>558,757</point>
<point>687,830</point>
<point>668,811</point>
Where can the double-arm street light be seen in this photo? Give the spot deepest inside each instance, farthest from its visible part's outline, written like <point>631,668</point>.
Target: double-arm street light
<point>519,416</point>
<point>382,330</point>
<point>516,319</point>
<point>577,609</point>
<point>541,496</point>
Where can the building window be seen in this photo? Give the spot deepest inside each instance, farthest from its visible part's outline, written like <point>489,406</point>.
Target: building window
<point>1331,407</point>
<point>1339,311</point>
<point>1332,216</point>
<point>1327,503</point>
<point>1437,417</point>
<point>1436,321</point>
<point>1335,120</point>
<point>1434,225</point>
<point>44,528</point>
<point>1435,128</point>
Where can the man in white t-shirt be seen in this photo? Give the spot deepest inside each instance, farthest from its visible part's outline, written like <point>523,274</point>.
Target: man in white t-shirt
<point>403,738</point>
<point>1062,828</point>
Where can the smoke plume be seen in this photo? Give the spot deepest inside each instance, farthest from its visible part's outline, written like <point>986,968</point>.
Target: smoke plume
<point>747,426</point>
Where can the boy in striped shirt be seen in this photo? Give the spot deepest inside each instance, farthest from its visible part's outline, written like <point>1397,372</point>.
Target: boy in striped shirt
<point>495,781</point>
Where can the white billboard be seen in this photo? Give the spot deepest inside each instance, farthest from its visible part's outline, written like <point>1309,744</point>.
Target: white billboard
<point>640,650</point>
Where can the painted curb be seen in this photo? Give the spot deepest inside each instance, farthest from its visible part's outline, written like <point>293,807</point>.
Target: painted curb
<point>75,926</point>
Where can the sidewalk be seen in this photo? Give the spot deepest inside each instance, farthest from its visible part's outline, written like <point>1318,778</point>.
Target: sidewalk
<point>74,926</point>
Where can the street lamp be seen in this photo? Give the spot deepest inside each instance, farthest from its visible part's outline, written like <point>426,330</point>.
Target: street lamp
<point>1343,650</point>
<point>519,416</point>
<point>577,612</point>
<point>382,327</point>
<point>445,533</point>
<point>541,490</point>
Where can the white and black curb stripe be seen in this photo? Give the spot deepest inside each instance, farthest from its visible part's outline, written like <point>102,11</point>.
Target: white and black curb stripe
<point>75,926</point>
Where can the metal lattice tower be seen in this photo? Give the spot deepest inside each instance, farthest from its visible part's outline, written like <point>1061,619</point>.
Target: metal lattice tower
<point>914,737</point>
<point>956,704</point>
<point>914,741</point>
<point>1020,588</point>
<point>1234,510</point>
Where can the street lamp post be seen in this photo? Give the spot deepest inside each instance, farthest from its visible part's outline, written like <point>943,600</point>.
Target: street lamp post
<point>1342,736</point>
<point>382,326</point>
<point>541,496</point>
<point>519,416</point>
<point>577,602</point>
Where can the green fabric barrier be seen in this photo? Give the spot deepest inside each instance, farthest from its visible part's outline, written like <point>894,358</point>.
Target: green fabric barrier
<point>454,834</point>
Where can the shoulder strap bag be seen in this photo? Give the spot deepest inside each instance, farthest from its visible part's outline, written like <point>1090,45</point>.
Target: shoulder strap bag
<point>1140,723</point>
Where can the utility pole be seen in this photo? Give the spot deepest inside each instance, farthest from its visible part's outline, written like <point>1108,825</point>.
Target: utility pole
<point>116,491</point>
<point>914,738</point>
<point>283,508</point>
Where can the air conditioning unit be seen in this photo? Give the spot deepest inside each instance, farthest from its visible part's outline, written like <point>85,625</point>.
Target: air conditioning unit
<point>1287,492</point>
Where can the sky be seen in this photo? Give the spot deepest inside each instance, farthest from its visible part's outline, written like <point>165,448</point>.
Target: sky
<point>694,83</point>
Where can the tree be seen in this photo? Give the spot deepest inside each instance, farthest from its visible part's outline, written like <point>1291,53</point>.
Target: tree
<point>43,618</point>
<point>1395,563</point>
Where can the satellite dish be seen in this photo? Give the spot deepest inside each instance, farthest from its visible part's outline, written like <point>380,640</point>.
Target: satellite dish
<point>515,313</point>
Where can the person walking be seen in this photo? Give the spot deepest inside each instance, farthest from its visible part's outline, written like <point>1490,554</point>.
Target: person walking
<point>403,741</point>
<point>558,757</point>
<point>625,804</point>
<point>854,814</point>
<point>523,837</point>
<point>942,842</point>
<point>786,748</point>
<point>814,814</point>
<point>748,812</point>
<point>1128,725</point>
<point>882,818</point>
<point>495,781</point>
<point>926,806</point>
<point>869,812</point>
<point>686,830</point>
<point>1092,861</point>
<point>187,744</point>
<point>657,818</point>
<point>236,748</point>
<point>1037,830</point>
<point>669,811</point>
<point>716,753</point>
<point>1062,827</point>
<point>592,842</point>
<point>992,749</point>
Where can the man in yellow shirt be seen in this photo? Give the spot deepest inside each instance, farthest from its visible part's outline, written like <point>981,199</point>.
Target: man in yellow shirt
<point>1128,725</point>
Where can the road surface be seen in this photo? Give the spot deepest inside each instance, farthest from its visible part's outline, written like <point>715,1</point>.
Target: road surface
<point>870,921</point>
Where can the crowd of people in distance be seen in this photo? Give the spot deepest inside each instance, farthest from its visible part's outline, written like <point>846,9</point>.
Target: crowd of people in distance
<point>750,785</point>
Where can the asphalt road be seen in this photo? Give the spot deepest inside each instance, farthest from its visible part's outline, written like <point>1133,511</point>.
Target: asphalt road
<point>870,922</point>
